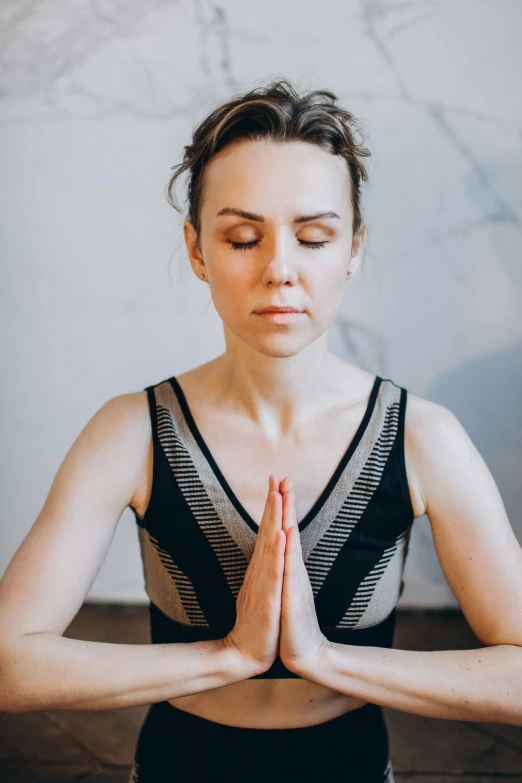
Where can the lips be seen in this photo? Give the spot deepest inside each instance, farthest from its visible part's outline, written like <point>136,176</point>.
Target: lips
<point>280,317</point>
<point>279,310</point>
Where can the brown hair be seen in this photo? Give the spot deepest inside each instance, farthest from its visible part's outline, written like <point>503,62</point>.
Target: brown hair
<point>278,113</point>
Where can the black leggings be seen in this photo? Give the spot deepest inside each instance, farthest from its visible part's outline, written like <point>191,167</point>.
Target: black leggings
<point>176,746</point>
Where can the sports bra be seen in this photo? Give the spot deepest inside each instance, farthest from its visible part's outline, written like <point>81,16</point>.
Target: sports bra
<point>196,538</point>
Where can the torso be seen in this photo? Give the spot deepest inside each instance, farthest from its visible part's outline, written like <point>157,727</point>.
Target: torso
<point>310,457</point>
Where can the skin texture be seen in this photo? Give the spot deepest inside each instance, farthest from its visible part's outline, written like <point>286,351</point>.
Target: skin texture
<point>473,685</point>
<point>272,374</point>
<point>271,379</point>
<point>286,407</point>
<point>278,182</point>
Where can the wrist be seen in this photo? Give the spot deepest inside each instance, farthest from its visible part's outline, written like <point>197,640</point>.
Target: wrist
<point>238,665</point>
<point>314,667</point>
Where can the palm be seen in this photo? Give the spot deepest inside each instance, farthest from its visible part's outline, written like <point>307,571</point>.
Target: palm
<point>300,637</point>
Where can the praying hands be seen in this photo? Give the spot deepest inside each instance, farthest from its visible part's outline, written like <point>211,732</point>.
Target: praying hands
<point>276,614</point>
<point>275,606</point>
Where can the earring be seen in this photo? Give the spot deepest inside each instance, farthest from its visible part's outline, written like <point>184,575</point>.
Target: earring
<point>202,276</point>
<point>349,273</point>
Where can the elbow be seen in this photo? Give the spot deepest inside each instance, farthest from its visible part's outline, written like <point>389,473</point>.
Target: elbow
<point>11,699</point>
<point>8,698</point>
<point>11,693</point>
<point>8,706</point>
<point>9,702</point>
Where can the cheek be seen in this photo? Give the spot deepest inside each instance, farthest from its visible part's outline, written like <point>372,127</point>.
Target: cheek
<point>327,290</point>
<point>231,291</point>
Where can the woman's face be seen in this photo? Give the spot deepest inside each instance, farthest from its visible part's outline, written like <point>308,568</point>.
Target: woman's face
<point>279,251</point>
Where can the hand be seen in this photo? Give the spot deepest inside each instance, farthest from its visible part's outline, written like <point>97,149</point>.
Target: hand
<point>258,606</point>
<point>301,640</point>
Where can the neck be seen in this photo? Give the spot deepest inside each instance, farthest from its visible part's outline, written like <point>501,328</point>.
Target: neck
<point>276,393</point>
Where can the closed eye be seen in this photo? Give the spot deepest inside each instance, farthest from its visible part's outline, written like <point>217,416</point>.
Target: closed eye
<point>248,245</point>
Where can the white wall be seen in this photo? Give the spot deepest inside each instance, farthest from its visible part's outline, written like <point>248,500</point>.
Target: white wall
<point>97,102</point>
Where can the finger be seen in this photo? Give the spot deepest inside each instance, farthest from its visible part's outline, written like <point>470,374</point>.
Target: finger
<point>289,510</point>
<point>285,485</point>
<point>297,537</point>
<point>269,505</point>
<point>291,560</point>
<point>273,563</point>
<point>279,552</point>
<point>276,517</point>
<point>265,536</point>
<point>272,520</point>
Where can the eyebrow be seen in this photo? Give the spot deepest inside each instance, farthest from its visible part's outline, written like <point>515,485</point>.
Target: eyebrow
<point>260,219</point>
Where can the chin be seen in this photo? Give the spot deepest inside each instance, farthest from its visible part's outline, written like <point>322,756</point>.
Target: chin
<point>278,353</point>
<point>280,347</point>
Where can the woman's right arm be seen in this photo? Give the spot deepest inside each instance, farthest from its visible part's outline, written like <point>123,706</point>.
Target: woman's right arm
<point>52,571</point>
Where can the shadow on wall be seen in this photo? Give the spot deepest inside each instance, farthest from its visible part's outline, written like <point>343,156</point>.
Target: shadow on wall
<point>484,393</point>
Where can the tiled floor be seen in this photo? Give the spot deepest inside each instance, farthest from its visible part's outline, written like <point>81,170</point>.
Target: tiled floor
<point>69,745</point>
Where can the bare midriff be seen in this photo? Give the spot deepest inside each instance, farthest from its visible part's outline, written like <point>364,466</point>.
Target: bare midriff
<point>269,704</point>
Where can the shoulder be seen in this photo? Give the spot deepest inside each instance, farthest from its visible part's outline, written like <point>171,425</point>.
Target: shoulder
<point>128,413</point>
<point>435,444</point>
<point>425,413</point>
<point>428,423</point>
<point>126,421</point>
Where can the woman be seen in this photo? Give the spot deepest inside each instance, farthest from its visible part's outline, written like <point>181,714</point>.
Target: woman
<point>272,606</point>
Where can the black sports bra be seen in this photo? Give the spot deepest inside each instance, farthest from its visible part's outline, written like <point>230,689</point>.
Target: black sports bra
<point>196,538</point>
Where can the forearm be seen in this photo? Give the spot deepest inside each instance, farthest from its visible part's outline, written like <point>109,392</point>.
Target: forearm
<point>472,685</point>
<point>46,671</point>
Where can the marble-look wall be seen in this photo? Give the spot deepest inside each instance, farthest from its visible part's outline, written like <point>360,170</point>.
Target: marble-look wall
<point>97,102</point>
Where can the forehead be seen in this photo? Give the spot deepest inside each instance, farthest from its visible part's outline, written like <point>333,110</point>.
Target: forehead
<point>274,177</point>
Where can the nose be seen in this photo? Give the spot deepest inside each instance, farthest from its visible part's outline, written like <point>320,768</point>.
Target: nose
<point>279,267</point>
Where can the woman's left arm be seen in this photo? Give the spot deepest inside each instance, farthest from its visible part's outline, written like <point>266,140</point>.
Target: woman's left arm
<point>482,562</point>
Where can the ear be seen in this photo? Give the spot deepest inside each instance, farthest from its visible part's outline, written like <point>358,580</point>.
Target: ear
<point>193,250</point>
<point>358,242</point>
